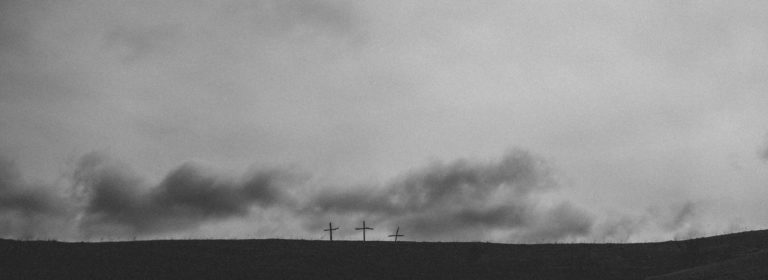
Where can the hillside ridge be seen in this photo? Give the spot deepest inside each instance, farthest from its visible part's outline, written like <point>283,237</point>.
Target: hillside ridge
<point>303,259</point>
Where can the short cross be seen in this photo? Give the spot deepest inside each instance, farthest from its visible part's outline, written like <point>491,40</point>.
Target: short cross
<point>397,234</point>
<point>330,230</point>
<point>364,228</point>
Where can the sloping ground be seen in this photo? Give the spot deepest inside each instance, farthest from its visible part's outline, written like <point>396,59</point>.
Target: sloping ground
<point>298,259</point>
<point>754,266</point>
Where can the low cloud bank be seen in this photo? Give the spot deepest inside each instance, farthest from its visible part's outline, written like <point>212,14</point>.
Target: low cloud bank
<point>28,210</point>
<point>463,200</point>
<point>118,201</point>
<point>501,200</point>
<point>683,220</point>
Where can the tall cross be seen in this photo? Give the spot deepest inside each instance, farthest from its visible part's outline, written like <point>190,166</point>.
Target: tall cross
<point>364,228</point>
<point>397,234</point>
<point>330,230</point>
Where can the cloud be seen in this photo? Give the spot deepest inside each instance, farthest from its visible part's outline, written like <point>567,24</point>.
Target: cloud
<point>683,215</point>
<point>27,210</point>
<point>635,100</point>
<point>503,200</point>
<point>563,222</point>
<point>19,196</point>
<point>458,200</point>
<point>681,220</point>
<point>464,199</point>
<point>118,201</point>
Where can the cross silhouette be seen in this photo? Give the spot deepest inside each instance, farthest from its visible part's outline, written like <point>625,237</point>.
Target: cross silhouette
<point>330,230</point>
<point>364,228</point>
<point>397,234</point>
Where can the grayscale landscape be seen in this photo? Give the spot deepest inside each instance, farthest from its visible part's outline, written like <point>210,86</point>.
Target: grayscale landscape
<point>383,139</point>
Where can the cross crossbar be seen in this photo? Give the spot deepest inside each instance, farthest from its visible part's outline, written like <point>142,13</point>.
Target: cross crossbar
<point>330,230</point>
<point>397,234</point>
<point>364,228</point>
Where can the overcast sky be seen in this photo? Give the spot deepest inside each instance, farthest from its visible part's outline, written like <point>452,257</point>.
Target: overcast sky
<point>508,121</point>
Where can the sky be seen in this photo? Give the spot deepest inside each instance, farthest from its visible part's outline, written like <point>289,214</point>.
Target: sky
<point>503,121</point>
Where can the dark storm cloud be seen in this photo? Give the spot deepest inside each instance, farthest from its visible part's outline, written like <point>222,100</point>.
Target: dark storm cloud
<point>464,198</point>
<point>26,209</point>
<point>443,201</point>
<point>517,174</point>
<point>116,200</point>
<point>21,197</point>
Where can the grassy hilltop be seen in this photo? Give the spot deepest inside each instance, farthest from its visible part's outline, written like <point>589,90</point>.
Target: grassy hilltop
<point>734,256</point>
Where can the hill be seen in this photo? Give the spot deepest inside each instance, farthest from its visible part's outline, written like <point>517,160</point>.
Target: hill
<point>754,266</point>
<point>301,259</point>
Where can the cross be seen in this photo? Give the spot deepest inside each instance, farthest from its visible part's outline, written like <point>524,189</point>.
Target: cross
<point>330,230</point>
<point>397,233</point>
<point>364,228</point>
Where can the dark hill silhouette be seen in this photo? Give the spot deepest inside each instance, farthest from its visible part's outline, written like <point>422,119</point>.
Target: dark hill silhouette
<point>301,259</point>
<point>754,266</point>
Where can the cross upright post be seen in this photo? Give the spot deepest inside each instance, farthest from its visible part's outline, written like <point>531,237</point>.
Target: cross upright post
<point>330,230</point>
<point>397,234</point>
<point>364,228</point>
